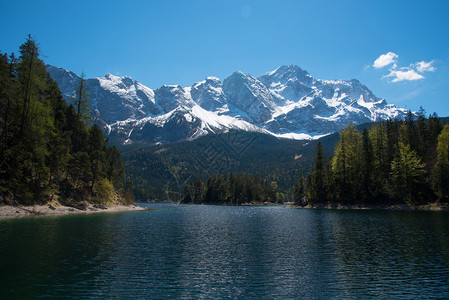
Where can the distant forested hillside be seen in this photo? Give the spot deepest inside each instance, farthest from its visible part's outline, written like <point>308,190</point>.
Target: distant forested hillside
<point>154,169</point>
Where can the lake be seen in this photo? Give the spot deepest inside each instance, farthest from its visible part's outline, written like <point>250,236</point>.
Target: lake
<point>194,251</point>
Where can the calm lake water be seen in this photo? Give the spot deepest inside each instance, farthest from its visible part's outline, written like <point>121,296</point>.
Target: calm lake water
<point>182,251</point>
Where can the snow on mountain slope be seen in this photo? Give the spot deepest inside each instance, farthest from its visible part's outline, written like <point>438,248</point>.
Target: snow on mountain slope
<point>318,107</point>
<point>287,102</point>
<point>120,98</point>
<point>112,98</point>
<point>209,94</point>
<point>249,95</point>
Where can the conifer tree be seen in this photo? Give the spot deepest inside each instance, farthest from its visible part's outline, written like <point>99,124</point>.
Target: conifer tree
<point>36,123</point>
<point>59,142</point>
<point>407,174</point>
<point>440,178</point>
<point>366,168</point>
<point>81,100</point>
<point>318,191</point>
<point>216,189</point>
<point>347,164</point>
<point>97,151</point>
<point>298,190</point>
<point>380,163</point>
<point>114,169</point>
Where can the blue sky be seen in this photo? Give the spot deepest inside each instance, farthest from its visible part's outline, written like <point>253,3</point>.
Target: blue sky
<point>181,42</point>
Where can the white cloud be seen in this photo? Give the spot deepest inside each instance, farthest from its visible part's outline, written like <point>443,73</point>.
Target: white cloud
<point>413,72</point>
<point>423,66</point>
<point>408,74</point>
<point>385,60</point>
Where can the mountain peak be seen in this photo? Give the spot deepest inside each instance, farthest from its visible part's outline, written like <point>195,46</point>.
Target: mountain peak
<point>286,102</point>
<point>238,73</point>
<point>110,76</point>
<point>285,73</point>
<point>212,78</point>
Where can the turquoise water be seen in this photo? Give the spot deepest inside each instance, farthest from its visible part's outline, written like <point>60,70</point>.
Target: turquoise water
<point>182,251</point>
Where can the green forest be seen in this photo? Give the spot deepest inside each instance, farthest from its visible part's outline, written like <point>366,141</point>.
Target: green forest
<point>394,162</point>
<point>49,150</point>
<point>232,189</point>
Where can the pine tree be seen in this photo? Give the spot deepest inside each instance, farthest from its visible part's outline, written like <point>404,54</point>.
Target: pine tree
<point>318,191</point>
<point>380,163</point>
<point>194,192</point>
<point>59,141</point>
<point>407,175</point>
<point>77,131</point>
<point>97,151</point>
<point>347,165</point>
<point>81,101</point>
<point>440,178</point>
<point>216,190</point>
<point>367,168</point>
<point>299,191</point>
<point>200,191</point>
<point>29,79</point>
<point>433,128</point>
<point>36,123</point>
<point>114,169</point>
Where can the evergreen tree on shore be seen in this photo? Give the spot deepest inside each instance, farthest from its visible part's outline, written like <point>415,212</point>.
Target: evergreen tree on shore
<point>318,191</point>
<point>46,149</point>
<point>392,162</point>
<point>440,178</point>
<point>231,189</point>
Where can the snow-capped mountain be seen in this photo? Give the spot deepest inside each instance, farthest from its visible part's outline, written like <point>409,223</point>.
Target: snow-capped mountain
<point>287,102</point>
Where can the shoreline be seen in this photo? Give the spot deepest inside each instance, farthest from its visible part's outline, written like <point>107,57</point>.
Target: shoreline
<point>41,210</point>
<point>395,207</point>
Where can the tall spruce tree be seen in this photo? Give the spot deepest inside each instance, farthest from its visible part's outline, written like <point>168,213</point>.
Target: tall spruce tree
<point>440,176</point>
<point>380,163</point>
<point>347,164</point>
<point>367,168</point>
<point>81,100</point>
<point>299,190</point>
<point>35,123</point>
<point>318,188</point>
<point>407,175</point>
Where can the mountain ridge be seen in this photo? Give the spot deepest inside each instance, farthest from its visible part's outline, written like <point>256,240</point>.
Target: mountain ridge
<point>287,102</point>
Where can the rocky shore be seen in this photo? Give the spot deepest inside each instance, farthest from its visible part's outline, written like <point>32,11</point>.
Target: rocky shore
<point>7,211</point>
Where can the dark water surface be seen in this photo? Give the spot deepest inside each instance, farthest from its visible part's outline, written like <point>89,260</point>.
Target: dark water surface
<point>181,251</point>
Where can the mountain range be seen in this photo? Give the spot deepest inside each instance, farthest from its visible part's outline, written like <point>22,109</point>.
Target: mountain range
<point>287,102</point>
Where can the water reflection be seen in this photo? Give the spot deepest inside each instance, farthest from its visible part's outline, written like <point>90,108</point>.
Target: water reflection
<point>182,251</point>
<point>391,253</point>
<point>40,256</point>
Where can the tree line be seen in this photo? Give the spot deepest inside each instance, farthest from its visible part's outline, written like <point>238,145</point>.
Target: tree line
<point>231,189</point>
<point>393,162</point>
<point>50,150</point>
